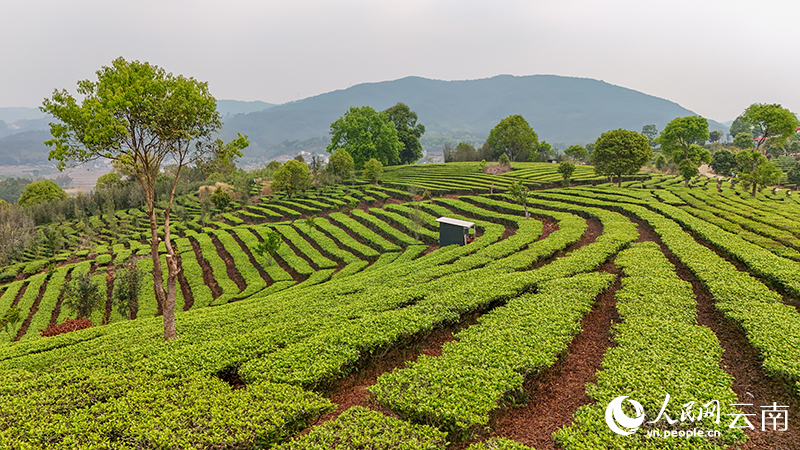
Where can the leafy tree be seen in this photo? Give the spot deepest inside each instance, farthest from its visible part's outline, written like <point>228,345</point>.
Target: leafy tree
<point>757,170</point>
<point>408,132</point>
<point>576,152</point>
<point>82,296</point>
<point>793,175</point>
<point>272,242</point>
<point>651,132</point>
<point>221,199</point>
<point>41,192</point>
<point>513,137</point>
<point>138,115</point>
<point>715,136</point>
<point>544,151</point>
<point>465,151</point>
<point>679,142</point>
<point>620,152</point>
<point>341,164</point>
<point>311,222</point>
<point>108,181</point>
<point>723,162</point>
<point>300,158</point>
<point>366,134</point>
<point>740,126</point>
<point>774,123</point>
<point>743,140</point>
<point>127,285</point>
<point>520,193</point>
<point>660,161</point>
<point>566,169</point>
<point>292,177</point>
<point>373,170</point>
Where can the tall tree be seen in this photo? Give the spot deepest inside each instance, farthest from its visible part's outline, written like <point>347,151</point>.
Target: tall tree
<point>408,132</point>
<point>651,132</point>
<point>723,162</point>
<point>620,152</point>
<point>773,123</point>
<point>366,133</point>
<point>514,137</point>
<point>139,116</point>
<point>680,143</point>
<point>292,177</point>
<point>757,170</point>
<point>576,152</point>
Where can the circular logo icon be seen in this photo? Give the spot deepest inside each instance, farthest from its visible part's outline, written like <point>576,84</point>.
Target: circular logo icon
<point>618,421</point>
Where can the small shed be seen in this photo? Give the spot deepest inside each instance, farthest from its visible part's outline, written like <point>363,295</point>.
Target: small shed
<point>453,231</point>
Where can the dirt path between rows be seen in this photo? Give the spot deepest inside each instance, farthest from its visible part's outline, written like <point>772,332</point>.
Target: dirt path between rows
<point>208,275</point>
<point>230,267</point>
<point>751,383</point>
<point>557,392</point>
<point>34,309</point>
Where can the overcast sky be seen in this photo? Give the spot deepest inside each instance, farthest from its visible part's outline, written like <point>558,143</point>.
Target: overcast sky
<point>712,57</point>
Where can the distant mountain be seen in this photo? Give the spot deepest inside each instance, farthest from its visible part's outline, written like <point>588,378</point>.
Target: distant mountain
<point>562,110</point>
<point>9,115</point>
<point>230,108</point>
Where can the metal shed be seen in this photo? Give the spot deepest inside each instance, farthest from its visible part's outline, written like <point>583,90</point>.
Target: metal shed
<point>453,231</point>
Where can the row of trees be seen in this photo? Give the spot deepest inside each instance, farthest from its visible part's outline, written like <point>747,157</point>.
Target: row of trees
<point>512,136</point>
<point>390,137</point>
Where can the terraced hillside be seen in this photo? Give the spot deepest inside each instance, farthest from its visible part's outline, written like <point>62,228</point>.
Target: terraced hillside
<point>362,333</point>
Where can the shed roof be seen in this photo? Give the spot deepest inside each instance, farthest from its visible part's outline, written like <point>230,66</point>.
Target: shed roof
<point>456,222</point>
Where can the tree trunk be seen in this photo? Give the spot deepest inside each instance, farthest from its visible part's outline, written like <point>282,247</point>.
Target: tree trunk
<point>755,185</point>
<point>686,182</point>
<point>526,210</point>
<point>158,280</point>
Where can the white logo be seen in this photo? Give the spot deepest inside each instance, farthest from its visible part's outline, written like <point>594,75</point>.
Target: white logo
<point>615,415</point>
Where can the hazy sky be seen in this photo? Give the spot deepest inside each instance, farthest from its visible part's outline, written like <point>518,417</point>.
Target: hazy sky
<point>713,57</point>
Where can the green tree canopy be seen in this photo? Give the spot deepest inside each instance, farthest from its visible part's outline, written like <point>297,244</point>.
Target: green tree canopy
<point>771,121</point>
<point>408,132</point>
<point>620,152</point>
<point>651,132</point>
<point>292,177</point>
<point>41,192</point>
<point>514,137</point>
<point>366,133</point>
<point>743,140</point>
<point>341,164</point>
<point>715,136</point>
<point>576,152</point>
<point>793,175</point>
<point>740,126</point>
<point>679,142</point>
<point>566,169</point>
<point>139,116</point>
<point>757,170</point>
<point>373,170</point>
<point>108,181</point>
<point>723,162</point>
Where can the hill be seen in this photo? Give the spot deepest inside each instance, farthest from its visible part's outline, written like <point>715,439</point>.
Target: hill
<point>562,110</point>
